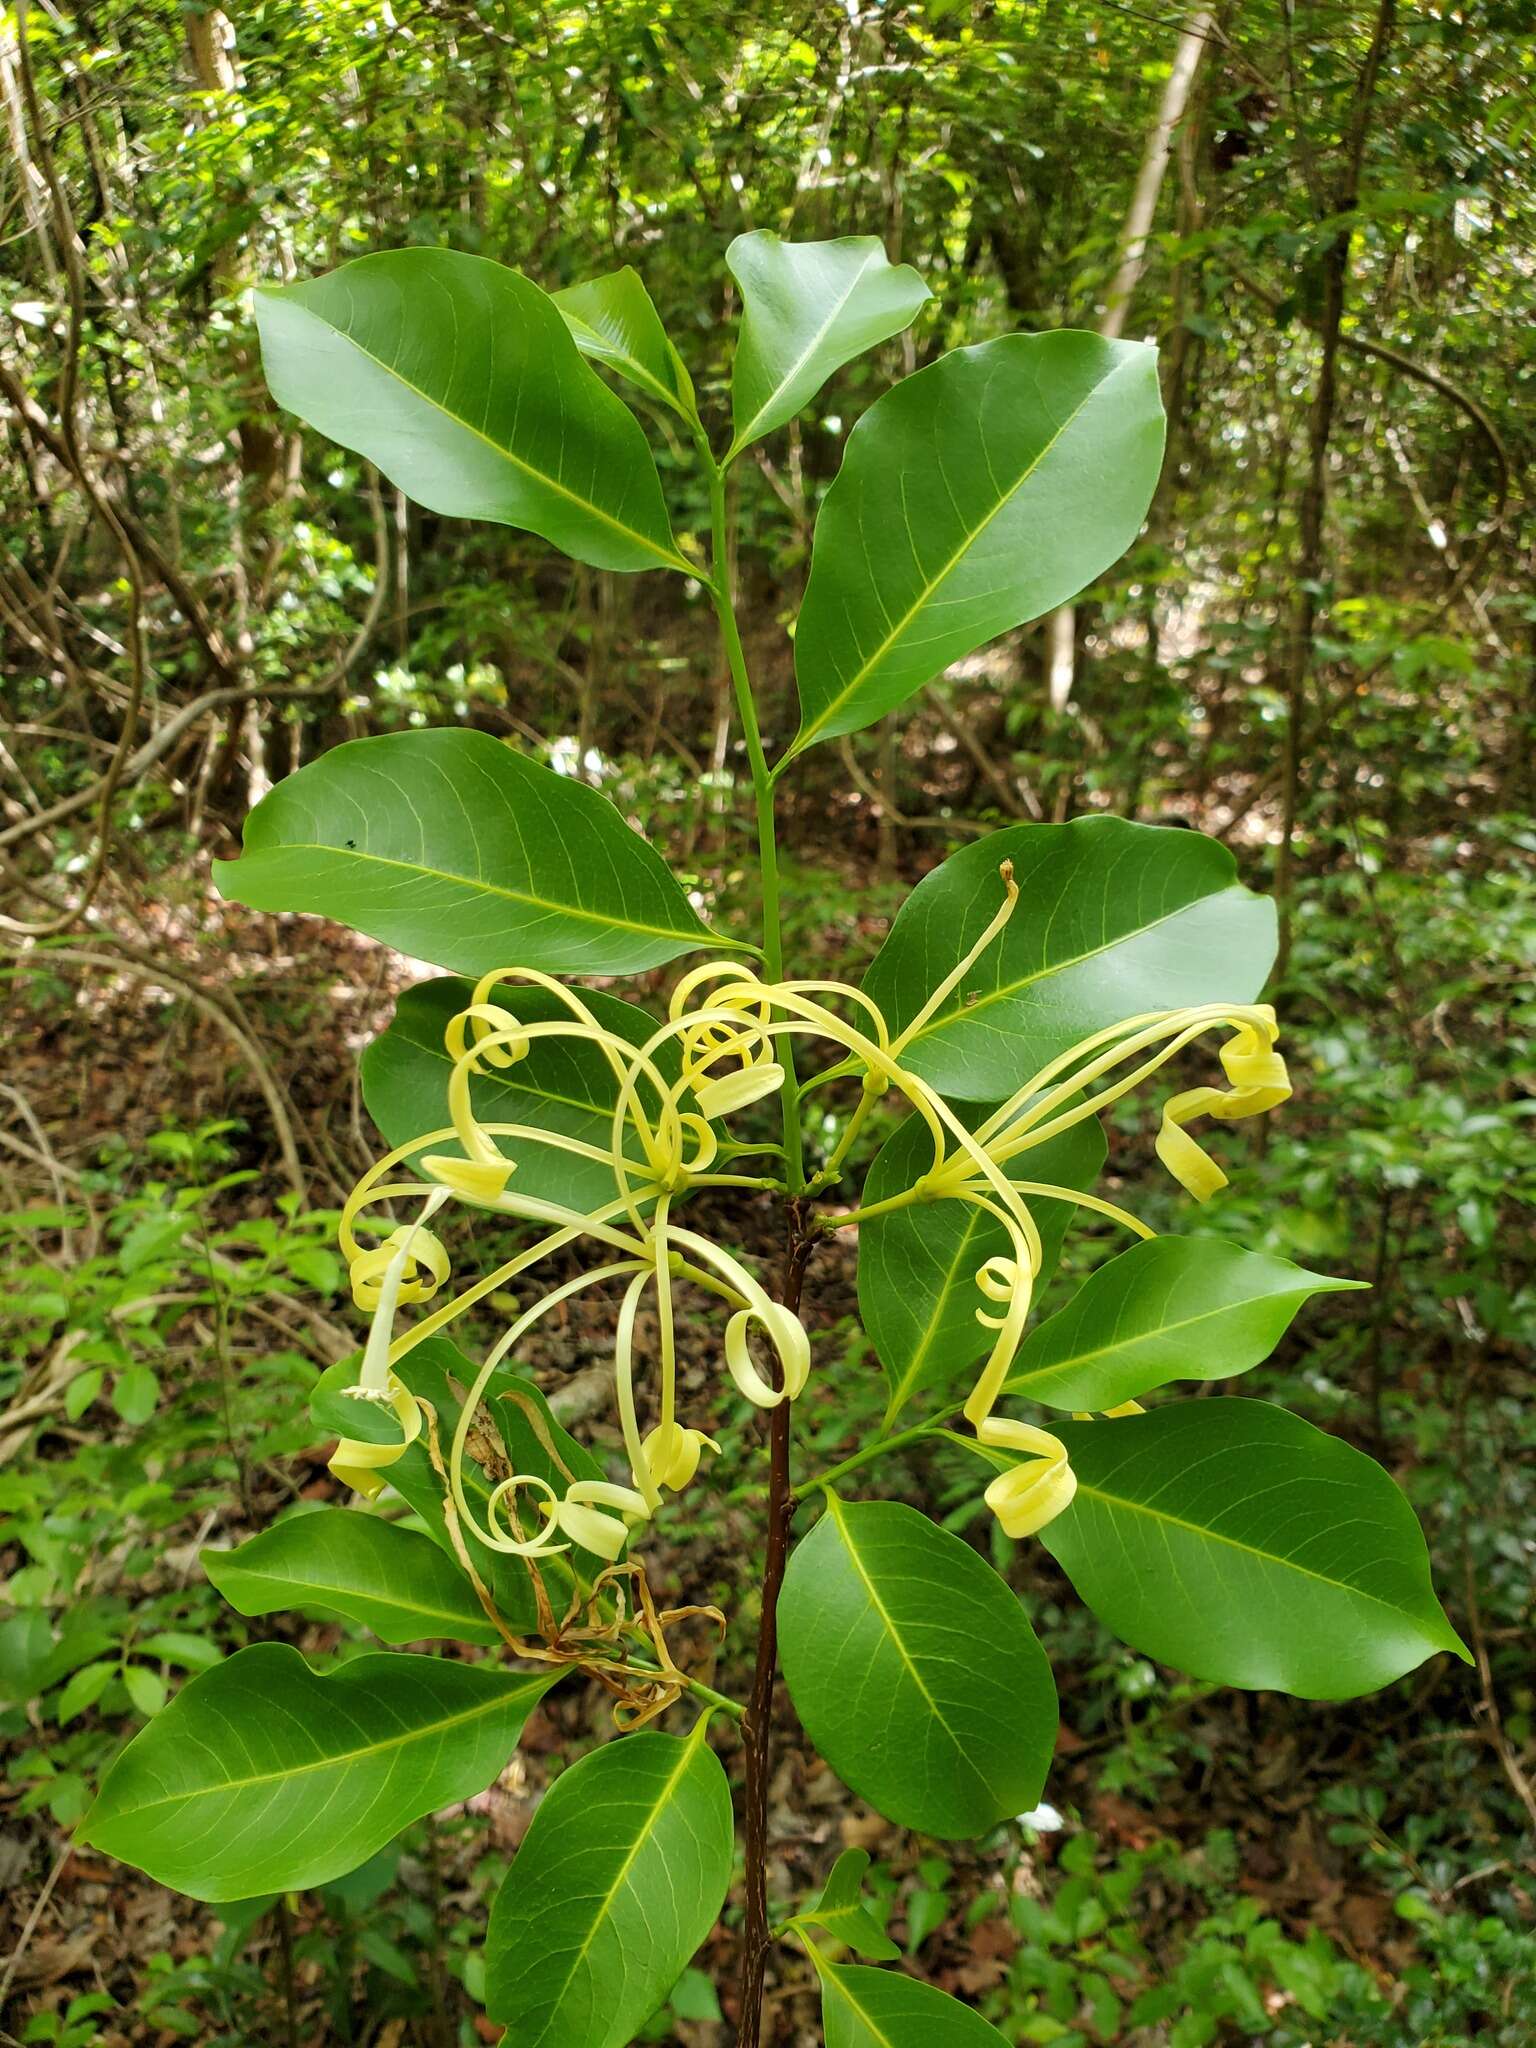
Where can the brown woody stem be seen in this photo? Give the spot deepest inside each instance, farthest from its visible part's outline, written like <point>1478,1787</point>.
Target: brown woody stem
<point>757,1726</point>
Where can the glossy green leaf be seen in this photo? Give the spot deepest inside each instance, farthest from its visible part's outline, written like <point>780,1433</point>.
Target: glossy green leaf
<point>1238,1543</point>
<point>461,380</point>
<point>842,1913</point>
<point>1112,919</point>
<point>619,1879</point>
<point>974,495</point>
<point>863,2008</point>
<point>454,848</point>
<point>402,1586</point>
<point>809,307</point>
<point>613,321</point>
<point>261,1776</point>
<point>1172,1308</point>
<point>915,1671</point>
<point>917,1267</point>
<point>565,1085</point>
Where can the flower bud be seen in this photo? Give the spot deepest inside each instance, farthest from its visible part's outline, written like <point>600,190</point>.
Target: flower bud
<point>735,1091</point>
<point>672,1457</point>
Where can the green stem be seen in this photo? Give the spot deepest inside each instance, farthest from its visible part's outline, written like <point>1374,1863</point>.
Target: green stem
<point>762,791</point>
<point>696,1686</point>
<point>757,1721</point>
<point>833,1167</point>
<point>870,1452</point>
<point>905,1200</point>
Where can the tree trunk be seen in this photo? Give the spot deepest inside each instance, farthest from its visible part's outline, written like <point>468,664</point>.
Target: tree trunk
<point>1061,626</point>
<point>1302,622</point>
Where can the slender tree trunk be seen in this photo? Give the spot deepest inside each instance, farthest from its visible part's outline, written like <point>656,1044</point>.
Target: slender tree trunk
<point>1302,622</point>
<point>1061,625</point>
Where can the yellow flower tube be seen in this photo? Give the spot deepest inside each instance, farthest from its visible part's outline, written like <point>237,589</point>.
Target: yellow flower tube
<point>356,1463</point>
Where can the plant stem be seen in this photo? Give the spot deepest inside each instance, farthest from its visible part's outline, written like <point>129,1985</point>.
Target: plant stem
<point>719,1700</point>
<point>757,1727</point>
<point>866,1456</point>
<point>284,1919</point>
<point>852,1218</point>
<point>762,791</point>
<point>757,1723</point>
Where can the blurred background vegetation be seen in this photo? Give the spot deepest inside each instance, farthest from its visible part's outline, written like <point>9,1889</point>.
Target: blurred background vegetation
<point>1321,650</point>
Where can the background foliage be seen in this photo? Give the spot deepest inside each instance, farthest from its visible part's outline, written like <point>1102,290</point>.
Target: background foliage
<point>1319,650</point>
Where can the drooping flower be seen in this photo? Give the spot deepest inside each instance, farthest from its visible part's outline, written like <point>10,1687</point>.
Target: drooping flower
<point>726,1025</point>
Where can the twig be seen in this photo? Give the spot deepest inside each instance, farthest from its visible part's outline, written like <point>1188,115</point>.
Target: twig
<point>1007,794</point>
<point>872,793</point>
<point>126,960</point>
<point>13,1961</point>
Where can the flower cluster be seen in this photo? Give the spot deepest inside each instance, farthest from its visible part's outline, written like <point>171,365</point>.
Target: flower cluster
<point>721,1049</point>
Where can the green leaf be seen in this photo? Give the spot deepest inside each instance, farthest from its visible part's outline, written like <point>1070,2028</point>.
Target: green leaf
<point>261,1776</point>
<point>134,1395</point>
<point>810,307</point>
<point>460,851</point>
<point>693,1997</point>
<point>917,1266</point>
<point>613,321</point>
<point>863,2008</point>
<point>842,1913</point>
<point>1238,1543</point>
<point>461,380</point>
<point>1112,919</point>
<point>26,1652</point>
<point>191,1653</point>
<point>400,1585</point>
<point>619,1879</point>
<point>82,1391</point>
<point>534,1440</point>
<point>565,1084</point>
<point>1172,1308</point>
<point>975,495</point>
<point>84,1688</point>
<point>145,1688</point>
<point>915,1670</point>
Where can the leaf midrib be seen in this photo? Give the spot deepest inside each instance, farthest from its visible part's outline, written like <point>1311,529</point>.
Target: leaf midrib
<point>324,1592</point>
<point>1152,1335</point>
<point>808,734</point>
<point>1271,1557</point>
<point>835,1509</point>
<point>964,1012</point>
<point>326,1763</point>
<point>911,1379</point>
<point>662,555</point>
<point>831,1975</point>
<point>747,432</point>
<point>618,357</point>
<point>418,867</point>
<point>658,1804</point>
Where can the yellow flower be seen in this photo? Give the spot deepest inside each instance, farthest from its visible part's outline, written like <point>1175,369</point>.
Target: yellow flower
<point>1030,1495</point>
<point>672,1454</point>
<point>726,1025</point>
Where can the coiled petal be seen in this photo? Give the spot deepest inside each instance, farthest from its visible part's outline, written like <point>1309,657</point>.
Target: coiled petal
<point>362,1465</point>
<point>1034,1493</point>
<point>787,1334</point>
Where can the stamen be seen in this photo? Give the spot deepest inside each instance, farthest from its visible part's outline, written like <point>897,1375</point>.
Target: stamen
<point>956,975</point>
